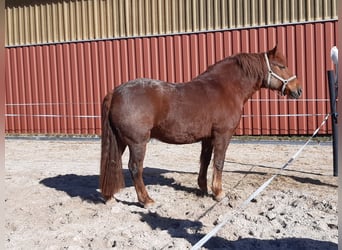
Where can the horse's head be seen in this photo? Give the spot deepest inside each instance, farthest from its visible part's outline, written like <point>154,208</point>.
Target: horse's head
<point>279,77</point>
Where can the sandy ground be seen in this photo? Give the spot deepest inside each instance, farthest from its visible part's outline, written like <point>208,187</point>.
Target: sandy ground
<point>52,201</point>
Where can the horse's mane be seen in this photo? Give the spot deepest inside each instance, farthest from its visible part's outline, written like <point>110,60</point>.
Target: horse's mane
<point>253,65</point>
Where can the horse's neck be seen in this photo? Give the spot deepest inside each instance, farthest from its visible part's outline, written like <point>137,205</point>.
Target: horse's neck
<point>255,86</point>
<point>232,80</point>
<point>243,88</point>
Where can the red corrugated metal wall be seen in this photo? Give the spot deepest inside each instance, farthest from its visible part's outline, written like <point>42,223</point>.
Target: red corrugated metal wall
<point>58,88</point>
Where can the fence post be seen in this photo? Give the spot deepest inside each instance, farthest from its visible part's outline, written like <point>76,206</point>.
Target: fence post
<point>333,97</point>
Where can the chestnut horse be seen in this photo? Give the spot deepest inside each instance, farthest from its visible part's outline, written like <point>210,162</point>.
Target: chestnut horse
<point>206,109</point>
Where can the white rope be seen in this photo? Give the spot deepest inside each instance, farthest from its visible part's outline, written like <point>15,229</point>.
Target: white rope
<point>283,115</point>
<point>53,116</point>
<point>98,103</point>
<point>98,116</point>
<point>257,192</point>
<point>52,103</point>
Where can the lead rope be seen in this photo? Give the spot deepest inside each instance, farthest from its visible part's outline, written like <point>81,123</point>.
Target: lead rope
<point>201,242</point>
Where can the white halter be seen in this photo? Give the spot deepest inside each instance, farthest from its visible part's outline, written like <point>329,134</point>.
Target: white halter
<point>271,73</point>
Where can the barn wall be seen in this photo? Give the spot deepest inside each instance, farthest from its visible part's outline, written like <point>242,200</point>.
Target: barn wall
<point>58,87</point>
<point>52,21</point>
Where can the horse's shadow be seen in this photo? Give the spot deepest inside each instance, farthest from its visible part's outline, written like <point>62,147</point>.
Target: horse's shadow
<point>189,230</point>
<point>299,179</point>
<point>86,186</point>
<point>286,173</point>
<point>82,186</point>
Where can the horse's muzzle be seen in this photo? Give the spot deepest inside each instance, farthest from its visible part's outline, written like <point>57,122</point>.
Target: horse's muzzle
<point>296,93</point>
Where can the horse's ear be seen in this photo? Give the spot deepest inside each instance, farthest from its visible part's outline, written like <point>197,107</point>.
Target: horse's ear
<point>273,51</point>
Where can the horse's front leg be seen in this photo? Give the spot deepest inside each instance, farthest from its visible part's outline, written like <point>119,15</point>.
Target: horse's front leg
<point>135,165</point>
<point>206,152</point>
<point>220,143</point>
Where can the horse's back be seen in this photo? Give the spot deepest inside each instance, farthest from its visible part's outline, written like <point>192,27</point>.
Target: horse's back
<point>142,94</point>
<point>139,104</point>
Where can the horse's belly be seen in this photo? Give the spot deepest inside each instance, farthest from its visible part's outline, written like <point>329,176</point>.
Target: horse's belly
<point>176,133</point>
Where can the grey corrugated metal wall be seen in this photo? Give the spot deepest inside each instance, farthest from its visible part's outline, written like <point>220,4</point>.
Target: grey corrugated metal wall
<point>35,22</point>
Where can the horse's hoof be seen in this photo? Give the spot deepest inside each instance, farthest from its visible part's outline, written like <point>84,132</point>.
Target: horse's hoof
<point>149,204</point>
<point>107,198</point>
<point>220,196</point>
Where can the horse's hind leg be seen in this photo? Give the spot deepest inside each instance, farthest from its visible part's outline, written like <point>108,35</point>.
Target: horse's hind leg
<point>206,153</point>
<point>135,165</point>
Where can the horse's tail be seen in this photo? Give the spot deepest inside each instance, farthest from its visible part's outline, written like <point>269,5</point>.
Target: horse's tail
<point>111,175</point>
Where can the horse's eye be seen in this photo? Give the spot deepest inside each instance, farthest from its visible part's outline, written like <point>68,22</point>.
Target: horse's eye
<point>280,66</point>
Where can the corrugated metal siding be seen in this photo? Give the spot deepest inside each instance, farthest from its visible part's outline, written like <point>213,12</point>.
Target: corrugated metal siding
<point>59,88</point>
<point>37,22</point>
